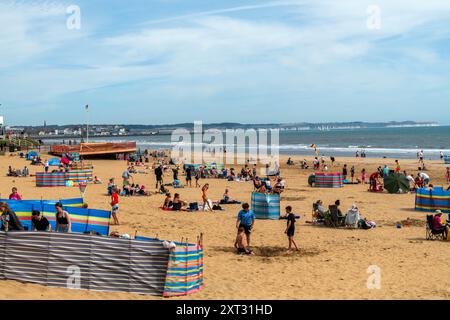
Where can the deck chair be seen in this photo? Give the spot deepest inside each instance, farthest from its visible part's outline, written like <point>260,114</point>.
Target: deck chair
<point>336,220</point>
<point>431,233</point>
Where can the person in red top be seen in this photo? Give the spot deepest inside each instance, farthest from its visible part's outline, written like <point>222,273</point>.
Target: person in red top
<point>115,205</point>
<point>437,223</point>
<point>374,181</point>
<point>15,195</point>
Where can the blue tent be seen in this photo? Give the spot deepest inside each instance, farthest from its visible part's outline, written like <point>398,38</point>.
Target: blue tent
<point>32,154</point>
<point>447,159</point>
<point>54,162</point>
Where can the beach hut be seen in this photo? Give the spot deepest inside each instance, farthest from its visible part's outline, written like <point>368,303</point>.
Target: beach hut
<point>329,180</point>
<point>431,200</point>
<point>266,206</point>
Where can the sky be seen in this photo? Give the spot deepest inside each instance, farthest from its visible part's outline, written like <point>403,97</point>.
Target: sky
<point>171,61</point>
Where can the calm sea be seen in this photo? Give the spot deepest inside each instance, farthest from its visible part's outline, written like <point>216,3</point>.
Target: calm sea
<point>378,142</point>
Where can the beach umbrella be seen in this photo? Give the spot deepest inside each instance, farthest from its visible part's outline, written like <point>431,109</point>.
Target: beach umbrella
<point>395,182</point>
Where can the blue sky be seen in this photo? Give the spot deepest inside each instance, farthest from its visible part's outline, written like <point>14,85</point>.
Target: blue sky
<point>168,61</point>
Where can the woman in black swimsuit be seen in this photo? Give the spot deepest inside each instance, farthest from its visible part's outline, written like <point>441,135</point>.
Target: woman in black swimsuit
<point>63,223</point>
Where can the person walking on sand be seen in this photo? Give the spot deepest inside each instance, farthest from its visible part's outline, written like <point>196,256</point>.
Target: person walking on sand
<point>246,220</point>
<point>206,202</point>
<point>447,175</point>
<point>46,166</point>
<point>290,228</point>
<point>115,205</point>
<point>188,171</point>
<point>197,178</point>
<point>159,176</point>
<point>352,173</point>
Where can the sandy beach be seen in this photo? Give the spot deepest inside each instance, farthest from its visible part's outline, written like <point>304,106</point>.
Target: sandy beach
<point>331,263</point>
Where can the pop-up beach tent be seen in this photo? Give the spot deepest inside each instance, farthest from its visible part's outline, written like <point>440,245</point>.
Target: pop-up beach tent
<point>32,154</point>
<point>447,159</point>
<point>55,162</point>
<point>266,206</point>
<point>432,200</point>
<point>395,182</point>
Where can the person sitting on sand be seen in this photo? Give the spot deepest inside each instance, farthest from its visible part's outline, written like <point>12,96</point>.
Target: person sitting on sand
<point>97,180</point>
<point>279,186</point>
<point>337,203</point>
<point>319,212</point>
<point>304,164</point>
<point>167,201</point>
<point>177,203</point>
<point>256,183</point>
<point>262,188</point>
<point>226,196</point>
<point>241,243</point>
<point>15,195</point>
<point>140,190</point>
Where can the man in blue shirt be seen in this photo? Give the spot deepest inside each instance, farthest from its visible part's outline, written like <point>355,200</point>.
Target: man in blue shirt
<point>246,219</point>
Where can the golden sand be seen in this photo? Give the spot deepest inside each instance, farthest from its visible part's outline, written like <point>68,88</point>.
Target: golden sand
<point>331,263</point>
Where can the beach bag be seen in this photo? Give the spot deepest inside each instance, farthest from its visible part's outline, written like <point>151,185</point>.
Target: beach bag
<point>364,225</point>
<point>193,206</point>
<point>217,207</point>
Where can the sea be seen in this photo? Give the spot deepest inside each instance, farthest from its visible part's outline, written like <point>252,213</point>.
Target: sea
<point>395,142</point>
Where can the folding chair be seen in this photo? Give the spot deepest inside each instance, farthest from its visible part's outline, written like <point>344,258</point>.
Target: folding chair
<point>336,219</point>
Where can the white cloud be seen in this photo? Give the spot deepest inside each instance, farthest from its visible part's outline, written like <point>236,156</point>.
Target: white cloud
<point>324,47</point>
